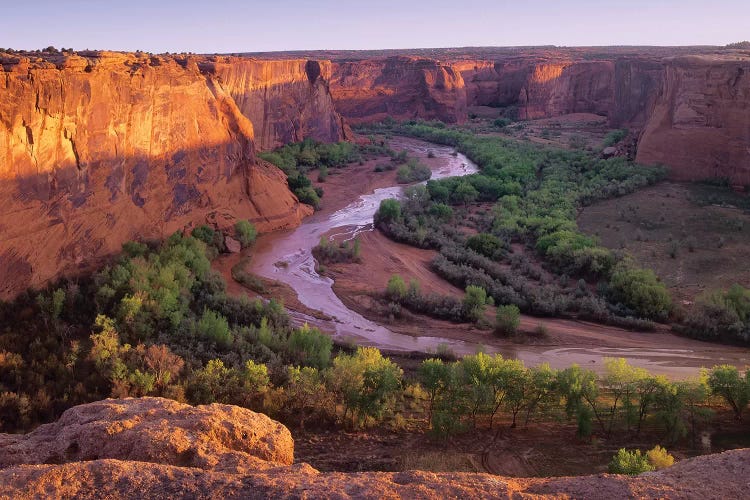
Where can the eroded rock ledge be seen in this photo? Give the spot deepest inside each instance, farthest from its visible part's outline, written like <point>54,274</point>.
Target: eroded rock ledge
<point>157,448</point>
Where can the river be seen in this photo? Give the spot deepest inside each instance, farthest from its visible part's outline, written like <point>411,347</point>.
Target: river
<point>289,260</point>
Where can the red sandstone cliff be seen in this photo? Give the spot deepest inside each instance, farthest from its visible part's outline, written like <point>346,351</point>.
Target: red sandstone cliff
<point>691,112</point>
<point>100,149</point>
<point>398,87</point>
<point>699,123</point>
<point>286,100</point>
<point>156,448</point>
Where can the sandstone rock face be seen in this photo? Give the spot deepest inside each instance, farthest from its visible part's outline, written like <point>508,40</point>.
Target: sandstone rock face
<point>286,100</point>
<point>214,437</point>
<point>554,89</point>
<point>700,122</point>
<point>400,88</point>
<point>155,448</point>
<point>100,149</point>
<point>690,111</point>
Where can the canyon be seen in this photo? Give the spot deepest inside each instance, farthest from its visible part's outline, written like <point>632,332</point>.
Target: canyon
<point>101,147</point>
<point>154,447</point>
<point>687,108</point>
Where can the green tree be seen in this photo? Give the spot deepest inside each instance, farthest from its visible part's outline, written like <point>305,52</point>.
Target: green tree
<point>310,346</point>
<point>246,232</point>
<point>465,193</point>
<point>306,393</point>
<point>436,377</point>
<point>213,326</point>
<point>640,290</point>
<point>726,382</point>
<point>474,302</point>
<point>366,382</point>
<point>389,211</point>
<point>396,288</point>
<point>507,319</point>
<point>485,244</point>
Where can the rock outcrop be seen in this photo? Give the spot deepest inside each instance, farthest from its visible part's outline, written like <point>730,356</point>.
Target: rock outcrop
<point>99,148</point>
<point>156,448</point>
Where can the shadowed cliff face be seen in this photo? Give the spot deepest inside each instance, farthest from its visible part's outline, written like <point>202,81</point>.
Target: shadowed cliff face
<point>400,88</point>
<point>286,100</point>
<point>700,121</point>
<point>98,150</point>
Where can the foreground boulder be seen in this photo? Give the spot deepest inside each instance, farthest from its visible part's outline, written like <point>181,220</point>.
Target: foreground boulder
<point>213,437</point>
<point>156,448</point>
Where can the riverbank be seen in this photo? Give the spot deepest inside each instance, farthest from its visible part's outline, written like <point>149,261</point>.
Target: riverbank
<point>346,293</point>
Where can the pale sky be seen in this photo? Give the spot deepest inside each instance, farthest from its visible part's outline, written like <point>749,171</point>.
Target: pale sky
<point>254,26</point>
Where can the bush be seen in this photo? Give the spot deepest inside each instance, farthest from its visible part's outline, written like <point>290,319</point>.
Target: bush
<point>389,211</point>
<point>396,288</point>
<point>213,326</point>
<point>659,458</point>
<point>507,319</point>
<point>327,252</point>
<point>311,347</point>
<point>413,171</point>
<point>641,291</point>
<point>630,462</point>
<point>485,244</point>
<point>614,137</point>
<point>246,232</point>
<point>474,302</point>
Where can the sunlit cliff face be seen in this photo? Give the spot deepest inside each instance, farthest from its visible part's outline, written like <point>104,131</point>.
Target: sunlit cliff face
<point>101,149</point>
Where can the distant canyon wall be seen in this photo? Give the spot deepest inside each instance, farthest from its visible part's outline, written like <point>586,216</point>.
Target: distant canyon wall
<point>692,113</point>
<point>101,149</point>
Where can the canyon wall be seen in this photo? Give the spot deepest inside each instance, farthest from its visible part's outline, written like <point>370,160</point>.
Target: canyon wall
<point>398,87</point>
<point>699,123</point>
<point>690,112</point>
<point>286,100</point>
<point>108,147</point>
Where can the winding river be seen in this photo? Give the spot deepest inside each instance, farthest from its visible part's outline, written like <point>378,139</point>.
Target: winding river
<point>294,249</point>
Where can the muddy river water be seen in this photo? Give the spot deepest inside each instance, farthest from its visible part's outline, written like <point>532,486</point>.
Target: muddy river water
<point>287,257</point>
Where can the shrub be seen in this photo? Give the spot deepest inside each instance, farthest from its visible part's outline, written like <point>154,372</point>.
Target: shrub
<point>213,326</point>
<point>659,458</point>
<point>630,462</point>
<point>614,137</point>
<point>327,252</point>
<point>474,302</point>
<point>396,288</point>
<point>507,319</point>
<point>246,232</point>
<point>485,244</point>
<point>413,171</point>
<point>641,291</point>
<point>311,347</point>
<point>389,211</point>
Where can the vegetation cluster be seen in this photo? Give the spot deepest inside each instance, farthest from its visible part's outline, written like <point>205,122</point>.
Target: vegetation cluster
<point>297,159</point>
<point>524,202</point>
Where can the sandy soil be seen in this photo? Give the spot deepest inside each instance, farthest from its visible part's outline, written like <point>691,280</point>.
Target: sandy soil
<point>359,284</point>
<point>647,223</point>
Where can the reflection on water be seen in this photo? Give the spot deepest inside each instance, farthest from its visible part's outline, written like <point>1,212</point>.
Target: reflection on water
<point>294,248</point>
